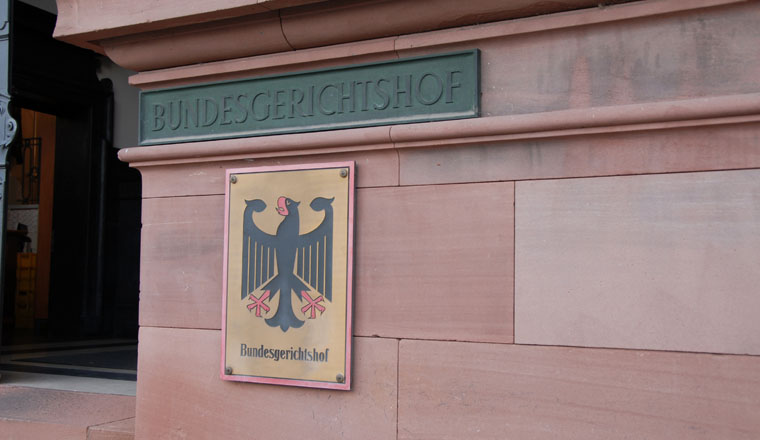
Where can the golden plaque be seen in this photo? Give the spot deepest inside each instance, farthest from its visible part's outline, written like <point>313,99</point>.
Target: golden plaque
<point>288,260</point>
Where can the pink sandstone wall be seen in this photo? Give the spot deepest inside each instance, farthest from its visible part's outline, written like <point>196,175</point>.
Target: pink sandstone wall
<point>582,261</point>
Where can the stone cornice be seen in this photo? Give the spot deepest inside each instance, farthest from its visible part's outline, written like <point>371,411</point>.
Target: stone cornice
<point>393,47</point>
<point>140,36</point>
<point>86,22</point>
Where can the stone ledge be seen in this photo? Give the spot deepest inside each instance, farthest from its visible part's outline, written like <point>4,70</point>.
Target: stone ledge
<point>718,110</point>
<point>39,414</point>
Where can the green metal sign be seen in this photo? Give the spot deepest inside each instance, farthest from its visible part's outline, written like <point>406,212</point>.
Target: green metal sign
<point>429,88</point>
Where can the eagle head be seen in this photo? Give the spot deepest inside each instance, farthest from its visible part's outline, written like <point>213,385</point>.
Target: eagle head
<point>284,205</point>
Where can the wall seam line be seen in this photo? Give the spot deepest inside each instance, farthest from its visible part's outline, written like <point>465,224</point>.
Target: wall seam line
<point>514,262</point>
<point>282,30</point>
<point>398,380</point>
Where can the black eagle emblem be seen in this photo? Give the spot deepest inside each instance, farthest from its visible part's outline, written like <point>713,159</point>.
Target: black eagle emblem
<point>287,262</point>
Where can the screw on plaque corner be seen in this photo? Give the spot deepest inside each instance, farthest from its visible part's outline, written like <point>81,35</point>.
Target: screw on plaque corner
<point>343,172</point>
<point>227,370</point>
<point>340,378</point>
<point>233,179</point>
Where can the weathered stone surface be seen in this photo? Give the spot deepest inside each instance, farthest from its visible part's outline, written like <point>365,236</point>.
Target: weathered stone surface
<point>42,414</point>
<point>181,262</point>
<point>638,152</point>
<point>435,262</point>
<point>662,57</point>
<point>667,262</point>
<point>180,394</point>
<point>450,390</point>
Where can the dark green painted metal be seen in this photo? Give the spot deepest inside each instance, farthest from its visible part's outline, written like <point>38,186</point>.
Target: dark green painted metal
<point>420,89</point>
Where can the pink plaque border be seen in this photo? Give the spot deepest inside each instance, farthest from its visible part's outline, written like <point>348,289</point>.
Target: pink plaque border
<point>346,385</point>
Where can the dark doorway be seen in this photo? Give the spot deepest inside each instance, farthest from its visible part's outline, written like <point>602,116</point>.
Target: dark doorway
<point>86,250</point>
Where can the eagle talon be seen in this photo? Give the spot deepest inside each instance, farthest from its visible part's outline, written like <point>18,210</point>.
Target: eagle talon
<point>312,305</point>
<point>258,303</point>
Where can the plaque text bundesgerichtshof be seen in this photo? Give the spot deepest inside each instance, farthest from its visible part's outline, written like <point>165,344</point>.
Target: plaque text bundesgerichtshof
<point>420,89</point>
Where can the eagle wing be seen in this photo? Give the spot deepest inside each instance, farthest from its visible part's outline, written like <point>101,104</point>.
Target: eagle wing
<point>314,254</point>
<point>259,251</point>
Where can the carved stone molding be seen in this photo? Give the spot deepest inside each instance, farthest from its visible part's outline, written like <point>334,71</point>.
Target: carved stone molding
<point>140,35</point>
<point>719,110</point>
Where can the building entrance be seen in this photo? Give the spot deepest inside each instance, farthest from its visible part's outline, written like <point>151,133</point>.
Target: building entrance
<point>70,292</point>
